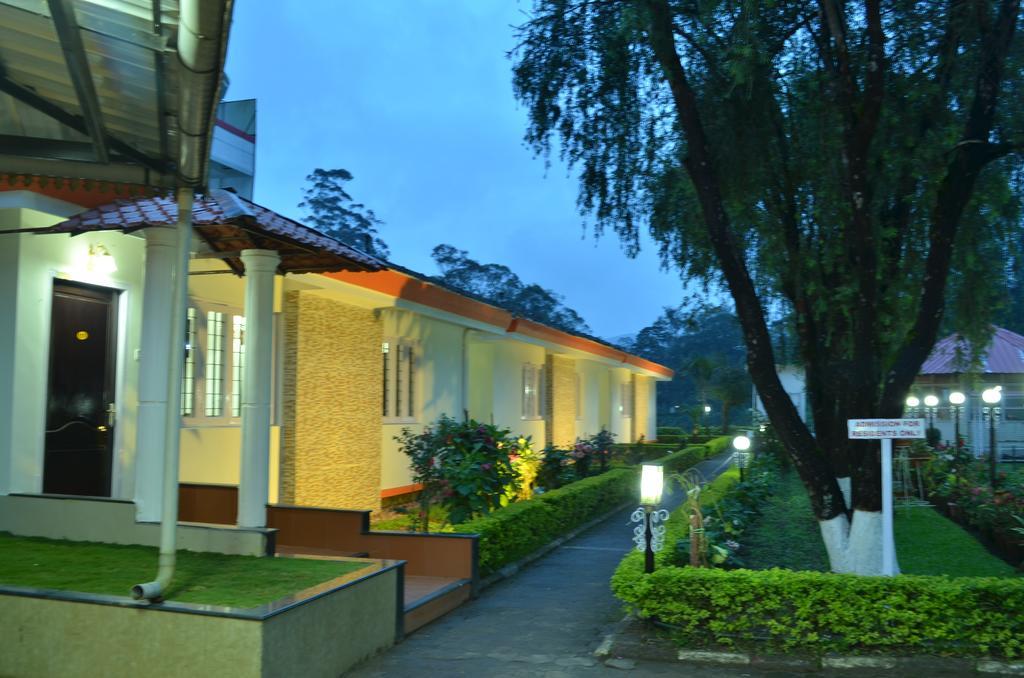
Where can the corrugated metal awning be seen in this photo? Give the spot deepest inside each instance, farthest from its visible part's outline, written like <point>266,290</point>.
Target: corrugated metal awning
<point>90,88</point>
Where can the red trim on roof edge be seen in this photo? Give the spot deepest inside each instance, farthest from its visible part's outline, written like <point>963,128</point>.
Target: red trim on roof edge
<point>85,192</point>
<point>406,287</point>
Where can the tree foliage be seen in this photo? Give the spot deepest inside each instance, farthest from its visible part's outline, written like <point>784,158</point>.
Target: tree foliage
<point>499,285</point>
<point>332,211</point>
<point>705,345</point>
<point>853,164</point>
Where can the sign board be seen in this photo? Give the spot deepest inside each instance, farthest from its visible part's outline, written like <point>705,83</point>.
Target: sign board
<point>874,429</point>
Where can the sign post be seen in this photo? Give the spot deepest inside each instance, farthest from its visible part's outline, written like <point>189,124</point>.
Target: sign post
<point>885,430</point>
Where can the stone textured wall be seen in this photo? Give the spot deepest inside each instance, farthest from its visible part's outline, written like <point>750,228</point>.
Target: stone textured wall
<point>641,406</point>
<point>331,404</point>
<point>561,401</point>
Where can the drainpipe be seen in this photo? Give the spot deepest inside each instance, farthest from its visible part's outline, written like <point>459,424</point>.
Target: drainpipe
<point>465,372</point>
<point>154,590</point>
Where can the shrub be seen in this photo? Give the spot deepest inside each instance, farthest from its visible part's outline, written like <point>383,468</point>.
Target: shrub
<point>669,431</point>
<point>510,533</point>
<point>526,462</point>
<point>464,466</point>
<point>677,440</point>
<point>556,469</point>
<point>717,445</point>
<point>818,612</point>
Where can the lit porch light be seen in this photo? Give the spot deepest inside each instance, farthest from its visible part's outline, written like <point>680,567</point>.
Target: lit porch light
<point>100,260</point>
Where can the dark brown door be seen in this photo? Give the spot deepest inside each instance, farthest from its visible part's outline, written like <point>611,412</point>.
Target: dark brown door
<point>80,400</point>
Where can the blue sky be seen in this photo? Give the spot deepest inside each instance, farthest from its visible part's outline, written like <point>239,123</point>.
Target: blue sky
<point>414,97</point>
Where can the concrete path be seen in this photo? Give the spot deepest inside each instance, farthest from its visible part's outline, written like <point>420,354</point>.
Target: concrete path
<point>546,621</point>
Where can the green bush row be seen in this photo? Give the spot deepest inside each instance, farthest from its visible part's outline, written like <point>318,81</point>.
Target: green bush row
<point>818,612</point>
<point>667,439</point>
<point>519,529</point>
<point>669,430</point>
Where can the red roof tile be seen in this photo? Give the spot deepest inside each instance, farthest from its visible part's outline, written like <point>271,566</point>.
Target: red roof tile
<point>228,223</point>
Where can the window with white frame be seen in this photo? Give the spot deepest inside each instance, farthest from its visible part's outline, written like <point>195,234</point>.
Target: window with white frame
<point>626,404</point>
<point>211,385</point>
<point>400,380</point>
<point>533,391</point>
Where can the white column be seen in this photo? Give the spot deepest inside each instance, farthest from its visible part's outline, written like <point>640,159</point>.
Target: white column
<point>260,267</point>
<point>888,542</point>
<point>153,369</point>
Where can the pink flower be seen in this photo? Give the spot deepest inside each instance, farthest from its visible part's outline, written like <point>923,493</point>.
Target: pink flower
<point>487,466</point>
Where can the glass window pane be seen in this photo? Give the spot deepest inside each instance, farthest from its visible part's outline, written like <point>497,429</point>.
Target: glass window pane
<point>214,364</point>
<point>237,363</point>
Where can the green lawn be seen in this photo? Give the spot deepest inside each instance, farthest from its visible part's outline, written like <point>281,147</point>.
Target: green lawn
<point>787,536</point>
<point>205,578</point>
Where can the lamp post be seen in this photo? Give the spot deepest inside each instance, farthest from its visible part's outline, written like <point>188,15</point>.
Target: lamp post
<point>990,411</point>
<point>956,403</point>
<point>931,406</point>
<point>912,404</point>
<point>652,483</point>
<point>742,444</point>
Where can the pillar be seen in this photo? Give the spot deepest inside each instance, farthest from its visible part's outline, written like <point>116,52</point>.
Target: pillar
<point>260,267</point>
<point>153,368</point>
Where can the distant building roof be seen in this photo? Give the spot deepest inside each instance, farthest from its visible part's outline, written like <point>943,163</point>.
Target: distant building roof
<point>1003,355</point>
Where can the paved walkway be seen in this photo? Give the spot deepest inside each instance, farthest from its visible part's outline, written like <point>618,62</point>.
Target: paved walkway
<point>546,621</point>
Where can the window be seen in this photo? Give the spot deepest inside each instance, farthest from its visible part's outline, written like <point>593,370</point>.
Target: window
<point>626,395</point>
<point>533,391</point>
<point>399,380</point>
<point>211,384</point>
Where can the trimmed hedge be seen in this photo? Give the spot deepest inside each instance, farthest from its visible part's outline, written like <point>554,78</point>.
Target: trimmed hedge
<point>636,453</point>
<point>519,529</point>
<point>819,613</point>
<point>719,444</point>
<point>669,430</point>
<point>683,459</point>
<point>667,439</point>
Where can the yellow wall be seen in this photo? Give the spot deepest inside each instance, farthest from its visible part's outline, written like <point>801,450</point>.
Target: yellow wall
<point>331,403</point>
<point>509,357</point>
<point>561,401</point>
<point>438,382</point>
<point>641,407</point>
<point>481,379</point>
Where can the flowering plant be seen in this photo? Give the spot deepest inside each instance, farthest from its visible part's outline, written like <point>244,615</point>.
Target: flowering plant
<point>466,467</point>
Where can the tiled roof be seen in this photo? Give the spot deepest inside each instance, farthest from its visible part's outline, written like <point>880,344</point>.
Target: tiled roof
<point>1003,355</point>
<point>229,224</point>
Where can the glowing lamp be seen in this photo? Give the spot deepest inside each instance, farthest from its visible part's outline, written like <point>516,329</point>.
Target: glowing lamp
<point>931,401</point>
<point>707,409</point>
<point>100,260</point>
<point>741,443</point>
<point>992,395</point>
<point>652,483</point>
<point>912,401</point>
<point>957,398</point>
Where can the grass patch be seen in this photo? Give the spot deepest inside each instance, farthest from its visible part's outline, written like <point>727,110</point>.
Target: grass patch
<point>929,543</point>
<point>787,536</point>
<point>203,578</point>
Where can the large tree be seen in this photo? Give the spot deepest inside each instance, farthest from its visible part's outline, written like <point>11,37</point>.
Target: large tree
<point>501,286</point>
<point>332,211</point>
<point>829,159</point>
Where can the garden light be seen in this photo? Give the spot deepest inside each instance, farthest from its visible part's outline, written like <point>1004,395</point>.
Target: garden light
<point>652,484</point>
<point>742,444</point>
<point>912,401</point>
<point>992,396</point>
<point>931,402</point>
<point>648,536</point>
<point>956,400</point>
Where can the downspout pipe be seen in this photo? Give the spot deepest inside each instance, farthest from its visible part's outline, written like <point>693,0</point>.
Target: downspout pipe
<point>465,372</point>
<point>154,591</point>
